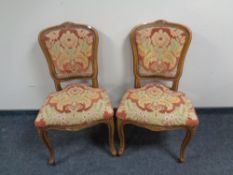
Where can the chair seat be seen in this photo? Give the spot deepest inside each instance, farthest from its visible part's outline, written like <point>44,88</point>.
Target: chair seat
<point>76,104</point>
<point>155,104</point>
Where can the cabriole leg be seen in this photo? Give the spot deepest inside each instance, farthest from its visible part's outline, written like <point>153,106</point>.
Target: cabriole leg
<point>189,134</point>
<point>44,137</point>
<point>121,135</point>
<point>111,129</point>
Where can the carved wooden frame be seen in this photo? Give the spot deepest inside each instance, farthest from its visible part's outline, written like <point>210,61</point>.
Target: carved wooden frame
<point>175,82</point>
<point>43,132</point>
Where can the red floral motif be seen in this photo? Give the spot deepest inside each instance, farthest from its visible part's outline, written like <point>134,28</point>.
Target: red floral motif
<point>122,115</point>
<point>192,122</point>
<point>75,98</point>
<point>107,114</point>
<point>160,38</point>
<point>40,123</point>
<point>69,40</point>
<point>158,66</point>
<point>155,96</point>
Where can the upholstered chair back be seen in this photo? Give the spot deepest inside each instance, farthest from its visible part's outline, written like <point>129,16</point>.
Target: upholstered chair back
<point>71,51</point>
<point>159,49</point>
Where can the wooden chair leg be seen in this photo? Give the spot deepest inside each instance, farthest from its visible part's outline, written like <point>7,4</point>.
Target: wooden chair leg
<point>121,135</point>
<point>111,129</point>
<point>189,134</point>
<point>44,137</point>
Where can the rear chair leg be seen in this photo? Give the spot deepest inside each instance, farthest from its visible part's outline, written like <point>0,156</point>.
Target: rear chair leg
<point>189,134</point>
<point>121,135</point>
<point>44,137</point>
<point>111,136</point>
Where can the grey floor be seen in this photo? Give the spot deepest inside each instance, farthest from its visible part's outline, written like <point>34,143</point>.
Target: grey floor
<point>86,151</point>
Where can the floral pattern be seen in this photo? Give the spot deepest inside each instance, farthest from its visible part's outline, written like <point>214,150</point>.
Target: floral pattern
<point>76,104</point>
<point>159,50</point>
<point>71,50</point>
<point>158,105</point>
<point>76,98</point>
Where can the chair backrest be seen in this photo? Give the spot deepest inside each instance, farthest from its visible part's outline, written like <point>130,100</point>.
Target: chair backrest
<point>71,52</point>
<point>159,49</point>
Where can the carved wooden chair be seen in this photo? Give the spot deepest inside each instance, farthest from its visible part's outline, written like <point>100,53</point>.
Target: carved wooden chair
<point>71,53</point>
<point>159,49</point>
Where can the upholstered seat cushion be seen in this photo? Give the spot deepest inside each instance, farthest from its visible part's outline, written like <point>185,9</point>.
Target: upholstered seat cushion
<point>157,105</point>
<point>76,104</point>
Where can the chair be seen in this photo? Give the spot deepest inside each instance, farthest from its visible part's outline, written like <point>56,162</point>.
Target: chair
<point>159,49</point>
<point>71,53</point>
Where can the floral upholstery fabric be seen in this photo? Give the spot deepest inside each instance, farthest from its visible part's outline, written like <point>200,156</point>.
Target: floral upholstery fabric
<point>157,105</point>
<point>71,50</point>
<point>75,105</point>
<point>159,50</point>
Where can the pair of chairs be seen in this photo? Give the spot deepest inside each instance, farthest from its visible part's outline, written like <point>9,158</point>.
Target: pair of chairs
<point>159,49</point>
